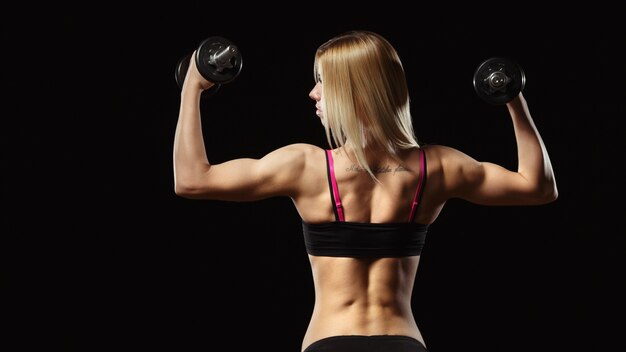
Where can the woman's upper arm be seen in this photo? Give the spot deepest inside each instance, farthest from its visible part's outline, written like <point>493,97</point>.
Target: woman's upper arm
<point>484,182</point>
<point>246,179</point>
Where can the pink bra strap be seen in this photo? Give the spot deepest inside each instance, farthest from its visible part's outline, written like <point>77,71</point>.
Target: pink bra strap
<point>418,191</point>
<point>338,206</point>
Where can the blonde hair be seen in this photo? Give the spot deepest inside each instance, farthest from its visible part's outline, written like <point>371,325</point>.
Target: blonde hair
<point>365,96</point>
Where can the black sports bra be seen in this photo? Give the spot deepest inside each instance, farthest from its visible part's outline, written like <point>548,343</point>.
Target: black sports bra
<point>342,238</point>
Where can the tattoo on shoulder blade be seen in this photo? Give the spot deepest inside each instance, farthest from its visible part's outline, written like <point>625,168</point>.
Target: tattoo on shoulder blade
<point>378,169</point>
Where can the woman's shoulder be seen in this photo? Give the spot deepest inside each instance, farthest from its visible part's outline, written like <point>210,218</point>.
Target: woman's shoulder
<point>441,151</point>
<point>436,148</point>
<point>304,166</point>
<point>444,158</point>
<point>303,148</point>
<point>300,150</point>
<point>300,154</point>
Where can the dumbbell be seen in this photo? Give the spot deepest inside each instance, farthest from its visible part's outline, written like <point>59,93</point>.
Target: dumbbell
<point>218,60</point>
<point>499,80</point>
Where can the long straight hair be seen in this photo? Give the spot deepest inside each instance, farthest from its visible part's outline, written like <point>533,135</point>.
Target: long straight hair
<point>365,96</point>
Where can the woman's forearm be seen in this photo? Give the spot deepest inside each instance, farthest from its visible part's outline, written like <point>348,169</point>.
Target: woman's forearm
<point>533,159</point>
<point>190,158</point>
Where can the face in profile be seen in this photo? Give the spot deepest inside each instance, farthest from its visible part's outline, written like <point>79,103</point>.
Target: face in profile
<point>316,95</point>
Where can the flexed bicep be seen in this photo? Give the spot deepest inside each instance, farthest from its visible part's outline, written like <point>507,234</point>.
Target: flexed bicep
<point>488,183</point>
<point>492,184</point>
<point>247,179</point>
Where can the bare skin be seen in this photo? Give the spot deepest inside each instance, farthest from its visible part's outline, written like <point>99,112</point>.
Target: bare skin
<point>359,296</point>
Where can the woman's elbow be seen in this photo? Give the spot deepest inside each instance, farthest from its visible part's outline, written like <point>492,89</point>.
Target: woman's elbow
<point>548,197</point>
<point>183,191</point>
<point>546,193</point>
<point>186,189</point>
<point>552,194</point>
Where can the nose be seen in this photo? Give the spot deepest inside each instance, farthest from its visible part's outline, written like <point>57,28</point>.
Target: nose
<point>315,93</point>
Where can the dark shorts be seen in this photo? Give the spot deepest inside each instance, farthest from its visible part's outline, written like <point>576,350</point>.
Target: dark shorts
<point>358,343</point>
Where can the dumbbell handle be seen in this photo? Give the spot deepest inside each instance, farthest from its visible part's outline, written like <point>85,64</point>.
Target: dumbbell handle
<point>221,58</point>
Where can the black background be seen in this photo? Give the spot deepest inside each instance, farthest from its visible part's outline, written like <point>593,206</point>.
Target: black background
<point>101,254</point>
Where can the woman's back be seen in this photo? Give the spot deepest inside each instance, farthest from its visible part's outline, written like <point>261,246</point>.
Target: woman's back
<point>364,253</point>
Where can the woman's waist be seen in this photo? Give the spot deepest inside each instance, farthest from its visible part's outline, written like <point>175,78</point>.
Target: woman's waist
<point>355,324</point>
<point>364,318</point>
<point>365,343</point>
